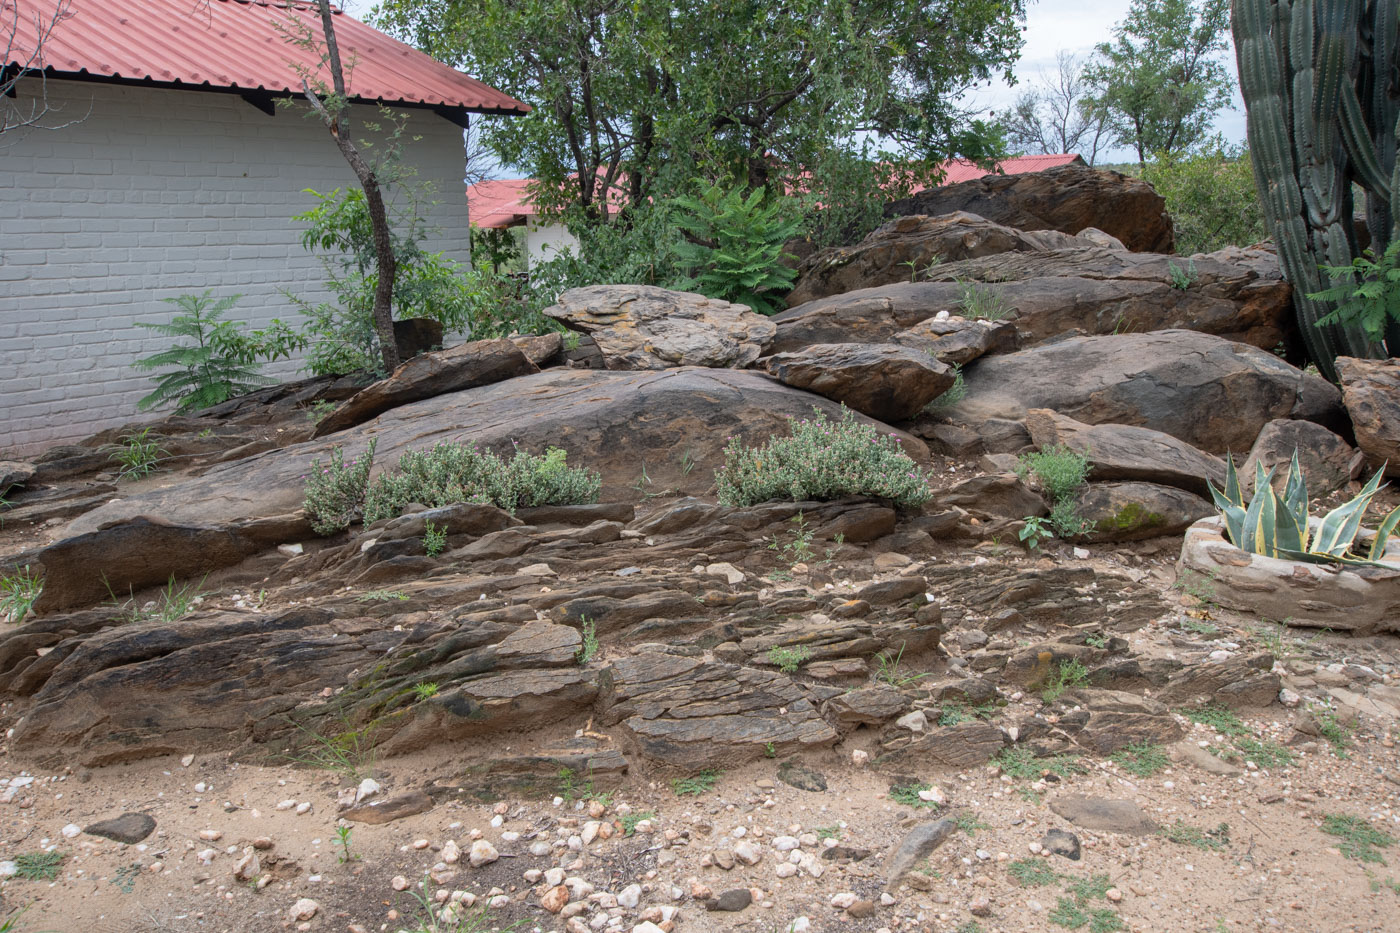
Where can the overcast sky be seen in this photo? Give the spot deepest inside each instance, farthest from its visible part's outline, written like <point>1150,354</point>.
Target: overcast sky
<point>1051,25</point>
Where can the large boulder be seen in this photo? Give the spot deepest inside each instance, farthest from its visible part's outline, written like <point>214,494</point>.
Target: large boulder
<point>476,363</point>
<point>1133,511</point>
<point>645,327</point>
<point>1371,390</point>
<point>891,383</point>
<point>907,249</point>
<point>1327,461</point>
<point>1067,198</point>
<point>1211,393</point>
<point>675,424</point>
<point>1235,293</point>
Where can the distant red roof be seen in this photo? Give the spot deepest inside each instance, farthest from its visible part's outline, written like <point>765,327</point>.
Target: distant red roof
<point>242,45</point>
<point>506,203</point>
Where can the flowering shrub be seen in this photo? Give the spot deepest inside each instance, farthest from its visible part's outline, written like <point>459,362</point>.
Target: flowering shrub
<point>451,473</point>
<point>335,493</point>
<point>822,460</point>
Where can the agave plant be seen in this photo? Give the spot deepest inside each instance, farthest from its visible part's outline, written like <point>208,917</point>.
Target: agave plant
<point>1277,526</point>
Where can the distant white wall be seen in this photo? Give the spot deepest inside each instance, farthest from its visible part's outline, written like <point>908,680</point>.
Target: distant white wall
<point>156,193</point>
<point>543,241</point>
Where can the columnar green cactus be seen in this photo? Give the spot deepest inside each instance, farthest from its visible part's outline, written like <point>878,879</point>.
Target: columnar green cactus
<point>1316,81</point>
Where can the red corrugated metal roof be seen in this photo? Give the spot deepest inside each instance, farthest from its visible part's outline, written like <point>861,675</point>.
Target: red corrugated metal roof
<point>506,202</point>
<point>237,44</point>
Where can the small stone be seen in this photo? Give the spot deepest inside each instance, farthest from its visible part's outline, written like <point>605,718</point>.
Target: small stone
<point>248,867</point>
<point>400,883</point>
<point>304,909</point>
<point>186,761</point>
<point>630,896</point>
<point>1059,842</point>
<point>861,909</point>
<point>734,899</point>
<point>747,852</point>
<point>210,835</point>
<point>554,899</point>
<point>303,808</point>
<point>980,907</point>
<point>933,795</point>
<point>129,828</point>
<point>724,859</point>
<point>859,758</point>
<point>368,788</point>
<point>843,900</point>
<point>785,870</point>
<point>1114,895</point>
<point>71,831</point>
<point>482,853</point>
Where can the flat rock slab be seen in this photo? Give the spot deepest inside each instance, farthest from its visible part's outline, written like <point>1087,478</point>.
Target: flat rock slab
<point>887,382</point>
<point>476,363</point>
<point>14,473</point>
<point>645,327</point>
<point>1104,814</point>
<point>1129,452</point>
<point>129,828</point>
<point>694,714</point>
<point>1210,392</point>
<point>386,811</point>
<point>1371,390</point>
<point>675,423</point>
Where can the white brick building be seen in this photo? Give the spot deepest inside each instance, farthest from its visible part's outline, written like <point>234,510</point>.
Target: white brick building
<point>165,189</point>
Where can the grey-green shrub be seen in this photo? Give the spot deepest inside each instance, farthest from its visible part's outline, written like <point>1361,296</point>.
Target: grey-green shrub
<point>449,473</point>
<point>822,460</point>
<point>335,492</point>
<point>1059,470</point>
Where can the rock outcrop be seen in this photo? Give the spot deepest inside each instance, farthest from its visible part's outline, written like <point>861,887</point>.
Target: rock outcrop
<point>644,327</point>
<point>907,249</point>
<point>674,423</point>
<point>1126,452</point>
<point>1067,198</point>
<point>1239,294</point>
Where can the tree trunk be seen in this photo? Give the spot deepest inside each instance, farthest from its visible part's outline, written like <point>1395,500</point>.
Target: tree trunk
<point>387,265</point>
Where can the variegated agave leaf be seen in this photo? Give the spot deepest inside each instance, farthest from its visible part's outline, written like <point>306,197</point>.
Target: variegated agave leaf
<point>1383,533</point>
<point>1260,527</point>
<point>1295,501</point>
<point>1232,483</point>
<point>1339,527</point>
<point>1287,534</point>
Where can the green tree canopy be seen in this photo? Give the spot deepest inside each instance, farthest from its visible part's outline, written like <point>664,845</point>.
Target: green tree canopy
<point>641,97</point>
<point>1161,82</point>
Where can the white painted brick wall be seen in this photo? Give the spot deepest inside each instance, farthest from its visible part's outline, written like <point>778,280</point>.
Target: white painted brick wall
<point>156,194</point>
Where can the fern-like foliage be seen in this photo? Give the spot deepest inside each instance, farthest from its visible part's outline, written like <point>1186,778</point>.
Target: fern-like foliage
<point>217,363</point>
<point>734,244</point>
<point>1367,292</point>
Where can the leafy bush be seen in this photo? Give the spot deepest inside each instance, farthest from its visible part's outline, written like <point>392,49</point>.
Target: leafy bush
<point>1211,198</point>
<point>1277,526</point>
<point>1367,292</point>
<point>449,473</point>
<point>221,362</point>
<point>735,245</point>
<point>1059,471</point>
<point>821,460</point>
<point>335,493</point>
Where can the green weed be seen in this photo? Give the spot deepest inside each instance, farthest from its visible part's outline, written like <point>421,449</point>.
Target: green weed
<point>1218,718</point>
<point>342,839</point>
<point>170,605</point>
<point>1142,759</point>
<point>1022,763</point>
<point>983,303</point>
<point>18,593</point>
<point>425,691</point>
<point>434,539</point>
<point>39,866</point>
<point>137,455</point>
<point>629,821</point>
<point>789,658</point>
<point>889,672</point>
<point>1359,839</point>
<point>908,795</point>
<point>952,395</point>
<point>1068,674</point>
<point>827,832</point>
<point>1182,277</point>
<point>1032,873</point>
<point>381,596</point>
<point>1073,915</point>
<point>696,784</point>
<point>1188,835</point>
<point>588,648</point>
<point>970,824</point>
